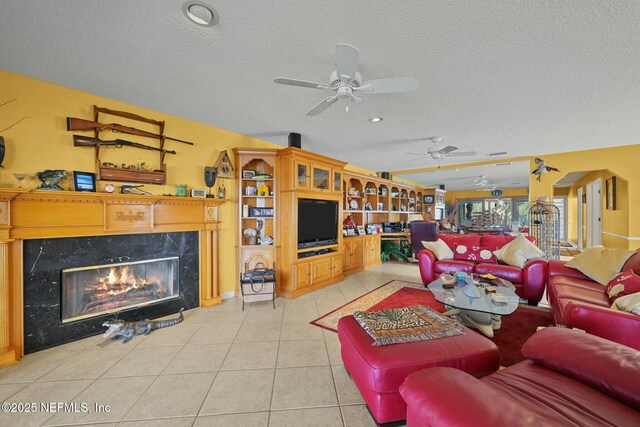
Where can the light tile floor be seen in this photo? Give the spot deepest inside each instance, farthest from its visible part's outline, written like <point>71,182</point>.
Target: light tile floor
<point>220,367</point>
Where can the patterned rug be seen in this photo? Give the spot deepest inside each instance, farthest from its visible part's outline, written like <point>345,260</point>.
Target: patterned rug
<point>407,324</point>
<point>394,294</point>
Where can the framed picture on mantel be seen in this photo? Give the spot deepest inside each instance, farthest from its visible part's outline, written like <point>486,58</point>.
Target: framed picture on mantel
<point>428,200</point>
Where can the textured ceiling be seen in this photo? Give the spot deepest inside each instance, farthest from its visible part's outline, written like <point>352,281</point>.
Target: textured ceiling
<point>524,77</point>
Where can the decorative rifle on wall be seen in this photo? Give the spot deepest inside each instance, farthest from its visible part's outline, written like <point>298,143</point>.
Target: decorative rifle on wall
<point>74,123</point>
<point>87,141</point>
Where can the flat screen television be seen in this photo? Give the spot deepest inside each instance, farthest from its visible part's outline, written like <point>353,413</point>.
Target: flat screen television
<point>317,223</point>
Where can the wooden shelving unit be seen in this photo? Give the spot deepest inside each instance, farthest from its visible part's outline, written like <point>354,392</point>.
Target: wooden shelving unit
<point>310,176</point>
<point>254,250</point>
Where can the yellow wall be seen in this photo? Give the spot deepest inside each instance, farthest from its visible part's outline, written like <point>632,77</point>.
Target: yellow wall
<point>621,161</point>
<point>42,142</point>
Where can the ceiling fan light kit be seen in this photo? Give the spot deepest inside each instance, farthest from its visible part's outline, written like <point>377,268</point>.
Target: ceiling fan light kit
<point>347,84</point>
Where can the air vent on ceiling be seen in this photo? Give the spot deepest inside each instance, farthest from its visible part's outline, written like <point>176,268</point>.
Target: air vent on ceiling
<point>499,153</point>
<point>503,164</point>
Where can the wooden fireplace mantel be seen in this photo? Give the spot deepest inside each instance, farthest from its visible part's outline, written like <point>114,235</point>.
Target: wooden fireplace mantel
<point>35,214</point>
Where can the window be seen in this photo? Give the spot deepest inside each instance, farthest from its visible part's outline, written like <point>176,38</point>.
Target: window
<point>493,212</point>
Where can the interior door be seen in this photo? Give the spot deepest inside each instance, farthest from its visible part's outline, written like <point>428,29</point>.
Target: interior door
<point>594,213</point>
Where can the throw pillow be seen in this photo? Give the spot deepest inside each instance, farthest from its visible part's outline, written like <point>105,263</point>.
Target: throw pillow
<point>474,253</point>
<point>625,283</point>
<point>599,263</point>
<point>439,249</point>
<point>628,303</point>
<point>517,252</point>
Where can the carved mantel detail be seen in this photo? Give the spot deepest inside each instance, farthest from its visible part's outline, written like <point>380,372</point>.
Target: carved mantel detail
<point>33,214</point>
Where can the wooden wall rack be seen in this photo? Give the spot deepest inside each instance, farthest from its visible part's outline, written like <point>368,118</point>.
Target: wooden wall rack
<point>131,175</point>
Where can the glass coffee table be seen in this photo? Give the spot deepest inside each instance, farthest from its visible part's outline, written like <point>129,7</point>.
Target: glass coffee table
<point>475,307</point>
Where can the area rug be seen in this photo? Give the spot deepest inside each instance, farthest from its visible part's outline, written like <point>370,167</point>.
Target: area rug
<point>394,294</point>
<point>515,330</point>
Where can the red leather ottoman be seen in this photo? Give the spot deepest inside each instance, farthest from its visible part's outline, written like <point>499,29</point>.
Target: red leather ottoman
<point>379,371</point>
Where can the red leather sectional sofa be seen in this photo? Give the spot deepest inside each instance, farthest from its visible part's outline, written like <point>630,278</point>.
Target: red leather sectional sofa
<point>579,302</point>
<point>571,378</point>
<point>529,281</point>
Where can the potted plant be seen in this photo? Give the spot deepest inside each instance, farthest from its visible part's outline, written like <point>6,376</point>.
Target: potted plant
<point>250,235</point>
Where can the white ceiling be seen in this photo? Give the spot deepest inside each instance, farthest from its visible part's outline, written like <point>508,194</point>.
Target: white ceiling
<point>525,77</point>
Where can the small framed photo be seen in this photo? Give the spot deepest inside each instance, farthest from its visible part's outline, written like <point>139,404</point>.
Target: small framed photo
<point>84,181</point>
<point>344,232</point>
<point>361,230</point>
<point>250,191</point>
<point>428,200</point>
<point>248,174</point>
<point>351,232</point>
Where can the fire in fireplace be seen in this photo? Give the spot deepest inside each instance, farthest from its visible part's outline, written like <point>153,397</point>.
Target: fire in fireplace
<point>96,290</point>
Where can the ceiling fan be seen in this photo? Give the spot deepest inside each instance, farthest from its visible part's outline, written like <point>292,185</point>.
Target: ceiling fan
<point>437,152</point>
<point>347,84</point>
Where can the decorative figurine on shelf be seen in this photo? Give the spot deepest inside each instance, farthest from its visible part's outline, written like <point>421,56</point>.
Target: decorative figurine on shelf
<point>259,224</point>
<point>181,190</point>
<point>368,206</point>
<point>132,189</point>
<point>267,240</point>
<point>210,175</point>
<point>50,179</point>
<point>263,190</point>
<point>250,235</point>
<point>222,192</point>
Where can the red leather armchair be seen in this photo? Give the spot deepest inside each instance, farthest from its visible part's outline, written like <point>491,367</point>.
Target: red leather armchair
<point>571,378</point>
<point>529,280</point>
<point>579,302</point>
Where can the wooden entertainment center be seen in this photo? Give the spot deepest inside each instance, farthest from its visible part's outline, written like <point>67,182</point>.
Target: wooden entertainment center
<point>298,174</point>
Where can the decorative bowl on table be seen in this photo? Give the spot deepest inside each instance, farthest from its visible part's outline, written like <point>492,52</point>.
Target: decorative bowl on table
<point>448,279</point>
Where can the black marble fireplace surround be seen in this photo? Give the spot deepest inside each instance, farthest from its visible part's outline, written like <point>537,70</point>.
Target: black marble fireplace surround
<point>44,260</point>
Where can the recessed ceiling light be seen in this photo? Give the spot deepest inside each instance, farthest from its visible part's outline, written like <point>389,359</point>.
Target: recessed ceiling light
<point>375,119</point>
<point>457,170</point>
<point>200,13</point>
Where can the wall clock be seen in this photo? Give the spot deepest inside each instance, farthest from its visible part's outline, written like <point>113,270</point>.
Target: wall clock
<point>223,165</point>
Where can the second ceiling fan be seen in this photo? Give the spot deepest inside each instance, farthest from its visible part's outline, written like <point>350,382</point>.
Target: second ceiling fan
<point>438,152</point>
<point>347,84</point>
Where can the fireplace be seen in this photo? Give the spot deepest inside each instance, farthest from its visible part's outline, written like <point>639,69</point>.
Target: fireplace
<point>72,285</point>
<point>95,290</point>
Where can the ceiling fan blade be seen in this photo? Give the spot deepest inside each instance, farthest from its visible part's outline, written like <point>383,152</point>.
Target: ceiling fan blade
<point>462,153</point>
<point>447,149</point>
<point>390,85</point>
<point>300,83</point>
<point>364,107</point>
<point>323,105</point>
<point>346,62</point>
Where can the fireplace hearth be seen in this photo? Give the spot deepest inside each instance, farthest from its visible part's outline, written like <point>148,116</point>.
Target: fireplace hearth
<point>73,285</point>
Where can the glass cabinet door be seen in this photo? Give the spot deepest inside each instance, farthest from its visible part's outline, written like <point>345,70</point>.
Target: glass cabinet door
<point>320,178</point>
<point>337,182</point>
<point>302,174</point>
